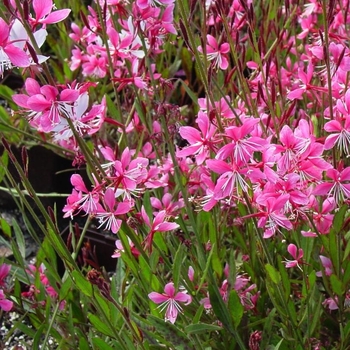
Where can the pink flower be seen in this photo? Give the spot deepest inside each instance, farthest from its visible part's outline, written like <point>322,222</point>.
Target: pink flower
<point>201,142</point>
<point>171,207</point>
<point>216,53</point>
<point>297,254</point>
<point>305,86</point>
<point>11,52</point>
<point>242,146</point>
<point>81,198</point>
<point>109,215</point>
<point>332,303</point>
<point>321,215</point>
<point>273,217</point>
<point>129,173</point>
<point>5,304</point>
<point>169,300</point>
<point>44,15</point>
<point>339,187</point>
<point>340,127</point>
<point>159,225</point>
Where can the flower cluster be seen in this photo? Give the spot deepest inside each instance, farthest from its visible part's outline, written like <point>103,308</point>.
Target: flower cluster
<point>261,156</point>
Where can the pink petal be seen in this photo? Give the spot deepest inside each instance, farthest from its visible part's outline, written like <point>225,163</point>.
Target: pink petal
<point>212,42</point>
<point>158,298</point>
<point>322,189</point>
<point>108,153</point>
<point>109,198</point>
<point>292,250</point>
<point>224,48</point>
<point>21,100</point>
<point>69,95</point>
<point>50,92</point>
<point>32,87</point>
<point>224,63</point>
<point>171,313</point>
<point>218,166</point>
<point>6,305</point>
<point>56,16</point>
<point>330,141</point>
<point>4,270</point>
<point>167,226</point>
<point>296,94</point>
<point>308,233</point>
<point>345,174</point>
<point>77,181</point>
<point>17,56</point>
<point>42,8</point>
<point>290,264</point>
<point>190,134</point>
<point>38,103</point>
<point>4,32</point>
<point>183,297</point>
<point>122,208</point>
<point>169,289</point>
<point>333,126</point>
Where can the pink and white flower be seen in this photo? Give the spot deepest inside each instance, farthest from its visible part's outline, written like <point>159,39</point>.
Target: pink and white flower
<point>170,300</point>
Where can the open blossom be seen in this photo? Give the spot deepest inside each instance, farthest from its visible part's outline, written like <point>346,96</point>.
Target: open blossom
<point>11,51</point>
<point>46,105</point>
<point>339,128</point>
<point>273,217</point>
<point>170,300</point>
<point>216,53</point>
<point>339,187</point>
<point>159,224</point>
<point>108,215</point>
<point>297,254</point>
<point>81,198</point>
<point>44,14</point>
<point>201,142</point>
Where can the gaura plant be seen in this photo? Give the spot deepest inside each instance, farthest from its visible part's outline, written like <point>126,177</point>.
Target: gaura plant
<point>211,139</point>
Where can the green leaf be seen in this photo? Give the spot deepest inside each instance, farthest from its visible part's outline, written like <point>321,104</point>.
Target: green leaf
<point>102,345</point>
<point>100,325</point>
<point>37,340</point>
<point>5,227</point>
<point>198,314</point>
<point>19,238</point>
<point>82,283</point>
<point>6,94</point>
<point>338,220</point>
<point>285,278</point>
<point>112,109</point>
<point>178,259</point>
<point>202,328</point>
<point>316,316</point>
<point>346,276</point>
<point>83,344</point>
<point>273,274</point>
<point>4,159</point>
<point>337,285</point>
<point>190,93</point>
<point>279,344</point>
<point>268,324</point>
<point>219,307</point>
<point>236,308</point>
